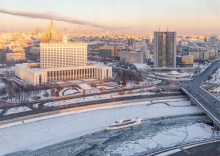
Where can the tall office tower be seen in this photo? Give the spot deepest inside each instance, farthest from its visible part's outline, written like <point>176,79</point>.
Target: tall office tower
<point>165,49</point>
<point>213,41</point>
<point>130,41</point>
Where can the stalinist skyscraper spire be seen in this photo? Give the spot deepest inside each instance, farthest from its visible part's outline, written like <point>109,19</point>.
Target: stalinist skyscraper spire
<point>52,35</point>
<point>51,21</point>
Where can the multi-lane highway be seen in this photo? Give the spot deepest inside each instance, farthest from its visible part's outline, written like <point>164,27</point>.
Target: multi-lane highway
<point>207,101</point>
<point>42,109</point>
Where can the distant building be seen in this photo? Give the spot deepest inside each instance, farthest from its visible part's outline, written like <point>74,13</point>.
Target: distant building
<point>61,60</point>
<point>51,35</point>
<point>131,57</point>
<point>131,41</point>
<point>165,49</point>
<point>34,50</point>
<point>199,55</point>
<point>212,53</point>
<point>63,54</point>
<point>107,51</point>
<point>187,60</point>
<point>7,36</point>
<point>15,56</point>
<point>119,49</point>
<point>1,46</point>
<point>213,41</point>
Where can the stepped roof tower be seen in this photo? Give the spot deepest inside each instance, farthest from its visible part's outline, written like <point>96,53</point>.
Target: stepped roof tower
<point>52,35</point>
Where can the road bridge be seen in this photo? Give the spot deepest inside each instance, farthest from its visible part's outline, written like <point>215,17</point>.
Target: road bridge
<point>204,99</point>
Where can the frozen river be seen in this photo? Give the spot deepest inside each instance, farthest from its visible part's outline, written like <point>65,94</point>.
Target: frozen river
<point>152,135</point>
<point>165,124</point>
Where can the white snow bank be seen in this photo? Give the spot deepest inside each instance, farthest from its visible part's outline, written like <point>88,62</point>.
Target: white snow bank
<point>215,77</point>
<point>17,110</point>
<point>178,103</point>
<point>84,86</point>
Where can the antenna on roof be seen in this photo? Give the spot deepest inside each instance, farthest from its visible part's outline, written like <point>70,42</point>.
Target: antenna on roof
<point>167,29</point>
<point>159,28</point>
<point>51,20</point>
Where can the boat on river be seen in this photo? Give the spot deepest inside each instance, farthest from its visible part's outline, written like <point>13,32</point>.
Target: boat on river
<point>124,123</point>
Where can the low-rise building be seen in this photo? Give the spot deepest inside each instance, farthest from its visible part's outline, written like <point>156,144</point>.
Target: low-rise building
<point>107,51</point>
<point>199,55</point>
<point>34,50</point>
<point>15,56</point>
<point>131,56</point>
<point>188,60</point>
<point>33,74</point>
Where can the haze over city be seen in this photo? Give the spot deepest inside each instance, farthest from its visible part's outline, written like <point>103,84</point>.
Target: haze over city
<point>110,77</point>
<point>130,16</point>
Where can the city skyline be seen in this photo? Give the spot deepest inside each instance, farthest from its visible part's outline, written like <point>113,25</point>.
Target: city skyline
<point>142,16</point>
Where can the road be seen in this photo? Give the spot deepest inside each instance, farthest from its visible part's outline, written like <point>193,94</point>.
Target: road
<point>42,109</point>
<point>24,103</point>
<point>208,102</point>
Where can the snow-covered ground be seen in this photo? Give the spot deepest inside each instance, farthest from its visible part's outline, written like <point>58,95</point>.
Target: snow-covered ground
<point>178,104</point>
<point>140,66</point>
<point>29,95</point>
<point>84,86</point>
<point>106,87</point>
<point>215,77</point>
<point>76,100</point>
<point>34,135</point>
<point>17,110</point>
<point>68,91</point>
<point>36,105</point>
<point>6,69</point>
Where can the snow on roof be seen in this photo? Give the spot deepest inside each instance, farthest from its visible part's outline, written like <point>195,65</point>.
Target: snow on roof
<point>141,65</point>
<point>84,86</point>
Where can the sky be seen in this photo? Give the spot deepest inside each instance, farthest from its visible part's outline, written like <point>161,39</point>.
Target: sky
<point>125,16</point>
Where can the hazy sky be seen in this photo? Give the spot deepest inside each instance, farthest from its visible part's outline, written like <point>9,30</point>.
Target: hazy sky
<point>182,16</point>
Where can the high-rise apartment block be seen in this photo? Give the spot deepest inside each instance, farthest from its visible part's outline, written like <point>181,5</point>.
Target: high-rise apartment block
<point>165,49</point>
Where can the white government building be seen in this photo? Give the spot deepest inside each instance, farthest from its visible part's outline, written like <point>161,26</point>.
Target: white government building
<point>61,60</point>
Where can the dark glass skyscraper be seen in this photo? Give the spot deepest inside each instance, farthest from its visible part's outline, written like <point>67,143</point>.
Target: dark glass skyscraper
<point>165,49</point>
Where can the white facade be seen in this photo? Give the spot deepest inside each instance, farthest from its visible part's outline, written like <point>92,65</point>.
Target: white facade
<point>31,75</point>
<point>60,60</point>
<point>199,55</point>
<point>63,54</point>
<point>34,75</point>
